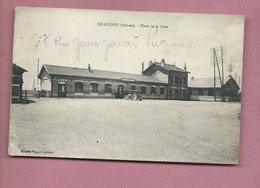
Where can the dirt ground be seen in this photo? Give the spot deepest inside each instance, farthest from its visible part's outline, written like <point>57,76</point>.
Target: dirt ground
<point>148,130</point>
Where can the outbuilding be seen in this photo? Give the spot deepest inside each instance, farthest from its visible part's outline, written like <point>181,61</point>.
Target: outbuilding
<point>17,83</point>
<point>203,89</point>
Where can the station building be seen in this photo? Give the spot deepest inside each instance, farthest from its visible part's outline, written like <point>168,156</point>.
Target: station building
<point>158,81</point>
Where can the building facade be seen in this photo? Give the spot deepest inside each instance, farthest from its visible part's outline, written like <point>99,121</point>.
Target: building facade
<point>158,81</point>
<point>17,83</point>
<point>175,77</point>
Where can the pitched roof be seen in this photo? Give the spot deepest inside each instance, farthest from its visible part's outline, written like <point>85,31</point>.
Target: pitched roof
<point>18,68</point>
<point>166,67</point>
<point>82,72</point>
<point>206,82</point>
<point>170,67</point>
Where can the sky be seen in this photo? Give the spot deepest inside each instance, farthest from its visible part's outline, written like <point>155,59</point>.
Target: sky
<point>121,40</point>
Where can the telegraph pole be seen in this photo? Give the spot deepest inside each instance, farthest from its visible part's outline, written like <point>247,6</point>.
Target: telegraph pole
<point>217,57</point>
<point>223,50</point>
<point>214,79</point>
<point>37,79</point>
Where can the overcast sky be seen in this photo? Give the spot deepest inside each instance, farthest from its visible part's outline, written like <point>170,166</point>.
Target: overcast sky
<point>121,41</point>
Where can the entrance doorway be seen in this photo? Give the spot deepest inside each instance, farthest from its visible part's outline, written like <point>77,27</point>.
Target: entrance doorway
<point>120,92</point>
<point>120,89</point>
<point>62,89</point>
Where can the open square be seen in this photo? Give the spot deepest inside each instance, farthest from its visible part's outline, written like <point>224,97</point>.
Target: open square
<point>158,130</point>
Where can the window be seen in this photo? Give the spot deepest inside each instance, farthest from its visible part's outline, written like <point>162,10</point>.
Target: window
<point>173,93</point>
<point>172,79</point>
<point>194,92</point>
<point>176,79</point>
<point>153,90</point>
<point>108,88</point>
<point>176,92</point>
<point>143,89</point>
<point>211,92</point>
<point>181,92</point>
<point>94,87</point>
<point>162,91</point>
<point>180,80</point>
<point>184,80</point>
<point>78,87</point>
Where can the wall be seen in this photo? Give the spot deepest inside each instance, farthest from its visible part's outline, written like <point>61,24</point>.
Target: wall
<point>70,81</point>
<point>173,85</point>
<point>160,76</point>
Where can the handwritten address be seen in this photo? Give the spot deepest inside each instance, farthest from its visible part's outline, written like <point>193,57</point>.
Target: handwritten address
<point>151,40</point>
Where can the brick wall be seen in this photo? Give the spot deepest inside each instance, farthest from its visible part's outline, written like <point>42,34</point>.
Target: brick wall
<point>70,81</point>
<point>86,87</point>
<point>70,87</point>
<point>54,87</point>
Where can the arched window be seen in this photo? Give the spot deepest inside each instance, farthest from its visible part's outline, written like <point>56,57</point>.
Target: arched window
<point>108,88</point>
<point>94,87</point>
<point>143,89</point>
<point>78,87</point>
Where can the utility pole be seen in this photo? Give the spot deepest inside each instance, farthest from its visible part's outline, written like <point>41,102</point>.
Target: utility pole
<point>37,79</point>
<point>214,79</point>
<point>223,52</point>
<point>230,68</point>
<point>217,57</point>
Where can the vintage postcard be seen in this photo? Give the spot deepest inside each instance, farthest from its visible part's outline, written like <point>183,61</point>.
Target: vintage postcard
<point>126,85</point>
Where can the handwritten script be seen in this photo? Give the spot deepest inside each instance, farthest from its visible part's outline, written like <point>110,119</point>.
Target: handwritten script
<point>152,40</point>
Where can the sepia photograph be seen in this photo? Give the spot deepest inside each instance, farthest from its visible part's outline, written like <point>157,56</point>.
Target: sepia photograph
<point>126,85</point>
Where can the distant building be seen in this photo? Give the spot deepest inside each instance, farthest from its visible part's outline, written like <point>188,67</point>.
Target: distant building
<point>203,89</point>
<point>17,83</point>
<point>159,80</point>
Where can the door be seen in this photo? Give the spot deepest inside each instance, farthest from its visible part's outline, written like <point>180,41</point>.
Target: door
<point>62,90</point>
<point>120,91</point>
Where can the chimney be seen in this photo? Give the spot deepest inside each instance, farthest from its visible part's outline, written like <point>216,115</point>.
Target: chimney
<point>150,63</point>
<point>142,66</point>
<point>163,62</point>
<point>185,66</point>
<point>89,67</point>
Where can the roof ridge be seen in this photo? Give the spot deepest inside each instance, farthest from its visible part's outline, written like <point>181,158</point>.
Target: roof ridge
<point>96,70</point>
